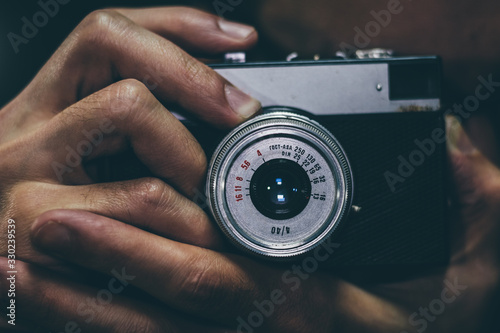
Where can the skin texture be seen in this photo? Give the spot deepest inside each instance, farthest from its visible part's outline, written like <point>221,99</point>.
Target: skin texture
<point>72,233</point>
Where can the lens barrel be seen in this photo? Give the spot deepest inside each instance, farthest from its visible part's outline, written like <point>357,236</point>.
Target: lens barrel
<point>279,185</point>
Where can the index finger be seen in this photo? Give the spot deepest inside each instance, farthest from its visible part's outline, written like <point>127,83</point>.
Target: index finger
<point>199,281</point>
<point>217,286</point>
<point>194,30</point>
<point>107,47</point>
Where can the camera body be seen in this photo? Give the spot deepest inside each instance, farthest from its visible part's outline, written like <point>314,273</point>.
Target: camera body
<point>348,152</point>
<point>385,115</point>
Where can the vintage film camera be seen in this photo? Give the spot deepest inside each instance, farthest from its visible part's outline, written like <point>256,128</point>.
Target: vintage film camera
<point>349,151</point>
<point>344,152</point>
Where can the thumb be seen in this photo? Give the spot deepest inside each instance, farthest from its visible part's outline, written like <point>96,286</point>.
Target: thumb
<point>475,190</point>
<point>476,180</point>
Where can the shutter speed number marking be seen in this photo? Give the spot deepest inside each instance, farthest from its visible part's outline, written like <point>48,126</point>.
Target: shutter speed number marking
<point>244,170</point>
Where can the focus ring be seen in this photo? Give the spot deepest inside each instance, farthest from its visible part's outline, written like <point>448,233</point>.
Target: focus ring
<point>256,241</point>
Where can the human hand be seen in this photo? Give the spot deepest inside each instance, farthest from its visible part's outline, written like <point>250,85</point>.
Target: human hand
<point>216,291</point>
<point>100,94</point>
<point>372,308</point>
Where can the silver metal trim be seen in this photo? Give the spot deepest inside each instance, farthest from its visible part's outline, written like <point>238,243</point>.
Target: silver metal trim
<point>228,149</point>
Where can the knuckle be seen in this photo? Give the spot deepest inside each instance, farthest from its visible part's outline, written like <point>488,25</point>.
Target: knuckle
<point>202,285</point>
<point>194,70</point>
<point>210,284</point>
<point>126,97</point>
<point>131,90</point>
<point>153,193</point>
<point>100,25</point>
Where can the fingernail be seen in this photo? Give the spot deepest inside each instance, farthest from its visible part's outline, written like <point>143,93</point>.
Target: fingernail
<point>457,138</point>
<point>244,105</point>
<point>236,30</point>
<point>53,236</point>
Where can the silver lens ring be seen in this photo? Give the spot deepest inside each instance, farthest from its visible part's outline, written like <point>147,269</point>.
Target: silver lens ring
<point>279,184</point>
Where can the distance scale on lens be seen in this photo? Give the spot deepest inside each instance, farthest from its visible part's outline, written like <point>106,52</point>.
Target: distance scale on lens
<point>279,185</point>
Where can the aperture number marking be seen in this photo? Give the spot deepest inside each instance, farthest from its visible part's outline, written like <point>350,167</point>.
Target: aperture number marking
<point>308,161</point>
<point>282,230</point>
<point>318,196</point>
<point>317,180</point>
<point>238,188</point>
<point>245,165</point>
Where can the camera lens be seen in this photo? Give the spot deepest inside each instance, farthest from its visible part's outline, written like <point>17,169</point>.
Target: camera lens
<point>280,189</point>
<point>279,184</point>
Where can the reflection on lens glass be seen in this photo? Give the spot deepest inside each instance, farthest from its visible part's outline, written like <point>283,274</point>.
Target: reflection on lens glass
<point>280,189</point>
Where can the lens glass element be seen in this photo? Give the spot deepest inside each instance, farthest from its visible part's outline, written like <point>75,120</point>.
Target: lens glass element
<point>280,189</point>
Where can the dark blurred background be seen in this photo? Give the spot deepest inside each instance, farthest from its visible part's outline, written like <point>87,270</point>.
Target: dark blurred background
<point>17,69</point>
<point>464,33</point>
